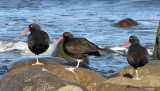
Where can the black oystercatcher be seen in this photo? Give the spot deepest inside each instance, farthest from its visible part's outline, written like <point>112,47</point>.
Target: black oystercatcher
<point>38,41</point>
<point>137,55</point>
<point>78,47</point>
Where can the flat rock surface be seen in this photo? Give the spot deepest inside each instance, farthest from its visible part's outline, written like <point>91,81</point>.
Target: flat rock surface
<point>31,60</point>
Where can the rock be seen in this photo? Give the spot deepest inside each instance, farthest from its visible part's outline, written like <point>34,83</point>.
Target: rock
<point>112,87</point>
<point>58,52</point>
<point>35,81</point>
<point>81,65</point>
<point>149,73</point>
<point>85,77</point>
<point>70,88</point>
<point>30,60</point>
<point>126,23</point>
<point>156,52</point>
<point>157,89</point>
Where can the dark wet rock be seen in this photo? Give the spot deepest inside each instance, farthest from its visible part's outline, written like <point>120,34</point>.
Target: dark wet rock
<point>113,87</point>
<point>81,65</point>
<point>156,52</point>
<point>58,52</point>
<point>126,23</point>
<point>149,73</point>
<point>34,81</point>
<point>30,60</point>
<point>85,77</point>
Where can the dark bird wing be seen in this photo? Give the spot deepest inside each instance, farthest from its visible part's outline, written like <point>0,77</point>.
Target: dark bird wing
<point>37,38</point>
<point>80,46</point>
<point>137,56</point>
<point>38,41</point>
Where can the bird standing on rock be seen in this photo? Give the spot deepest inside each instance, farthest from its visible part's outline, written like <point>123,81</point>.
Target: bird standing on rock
<point>137,55</point>
<point>78,47</point>
<point>38,41</point>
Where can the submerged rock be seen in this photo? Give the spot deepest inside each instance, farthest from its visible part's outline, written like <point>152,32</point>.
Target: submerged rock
<point>126,23</point>
<point>58,52</point>
<point>35,80</point>
<point>30,60</point>
<point>149,75</point>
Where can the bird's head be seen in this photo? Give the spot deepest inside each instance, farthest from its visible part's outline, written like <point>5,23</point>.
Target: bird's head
<point>32,27</point>
<point>133,40</point>
<point>66,36</point>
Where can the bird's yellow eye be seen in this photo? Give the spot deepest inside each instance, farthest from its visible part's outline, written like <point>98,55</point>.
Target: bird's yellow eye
<point>130,38</point>
<point>65,34</point>
<point>31,26</point>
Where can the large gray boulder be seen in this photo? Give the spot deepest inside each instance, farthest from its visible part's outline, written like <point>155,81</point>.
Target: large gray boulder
<point>85,77</point>
<point>35,80</point>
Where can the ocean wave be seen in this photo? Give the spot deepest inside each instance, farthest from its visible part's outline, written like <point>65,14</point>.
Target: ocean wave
<point>123,50</point>
<point>22,47</point>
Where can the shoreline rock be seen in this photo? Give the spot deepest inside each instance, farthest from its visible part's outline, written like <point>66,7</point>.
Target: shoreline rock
<point>30,60</point>
<point>149,73</point>
<point>85,77</point>
<point>35,80</point>
<point>89,79</point>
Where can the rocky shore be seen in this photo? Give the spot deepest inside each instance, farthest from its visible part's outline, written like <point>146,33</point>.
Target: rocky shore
<point>54,76</point>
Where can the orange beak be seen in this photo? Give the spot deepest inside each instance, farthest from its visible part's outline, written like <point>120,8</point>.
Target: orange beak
<point>23,32</point>
<point>125,43</point>
<point>59,39</point>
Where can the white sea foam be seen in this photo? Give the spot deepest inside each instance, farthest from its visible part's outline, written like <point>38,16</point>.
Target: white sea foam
<point>125,2</point>
<point>12,23</point>
<point>22,46</point>
<point>7,46</point>
<point>120,49</point>
<point>144,22</point>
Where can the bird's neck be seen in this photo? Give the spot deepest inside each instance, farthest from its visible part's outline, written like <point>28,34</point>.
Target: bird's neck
<point>134,45</point>
<point>34,30</point>
<point>67,39</point>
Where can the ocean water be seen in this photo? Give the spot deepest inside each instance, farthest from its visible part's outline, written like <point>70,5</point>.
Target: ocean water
<point>90,19</point>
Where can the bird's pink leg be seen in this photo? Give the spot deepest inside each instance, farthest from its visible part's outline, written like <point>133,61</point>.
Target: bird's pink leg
<point>37,63</point>
<point>137,78</point>
<point>78,63</point>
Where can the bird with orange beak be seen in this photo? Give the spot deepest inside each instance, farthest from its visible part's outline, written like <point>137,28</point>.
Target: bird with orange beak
<point>78,48</point>
<point>137,55</point>
<point>38,41</point>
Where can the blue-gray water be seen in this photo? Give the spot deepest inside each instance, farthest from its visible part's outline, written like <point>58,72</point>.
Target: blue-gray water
<point>91,19</point>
